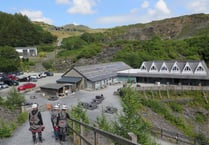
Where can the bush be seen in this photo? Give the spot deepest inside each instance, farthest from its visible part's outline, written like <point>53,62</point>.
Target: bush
<point>5,129</point>
<point>22,118</point>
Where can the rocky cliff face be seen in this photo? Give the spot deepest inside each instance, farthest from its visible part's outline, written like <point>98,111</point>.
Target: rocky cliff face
<point>173,28</point>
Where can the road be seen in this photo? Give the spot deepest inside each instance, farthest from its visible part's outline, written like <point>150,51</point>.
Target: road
<point>22,136</point>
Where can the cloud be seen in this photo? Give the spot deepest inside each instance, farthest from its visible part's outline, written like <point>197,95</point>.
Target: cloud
<point>136,15</point>
<point>82,7</point>
<point>161,6</point>
<point>62,1</point>
<point>159,11</point>
<point>36,16</point>
<point>200,6</point>
<point>145,4</point>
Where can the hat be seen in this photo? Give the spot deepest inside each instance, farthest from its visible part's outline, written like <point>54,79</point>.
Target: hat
<point>64,107</point>
<point>34,106</point>
<point>56,107</point>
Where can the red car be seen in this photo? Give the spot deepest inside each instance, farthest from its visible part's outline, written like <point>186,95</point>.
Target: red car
<point>26,86</point>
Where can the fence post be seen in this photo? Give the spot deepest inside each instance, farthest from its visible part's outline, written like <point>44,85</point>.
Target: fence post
<point>161,133</point>
<point>133,137</point>
<point>82,133</point>
<point>74,134</point>
<point>177,139</point>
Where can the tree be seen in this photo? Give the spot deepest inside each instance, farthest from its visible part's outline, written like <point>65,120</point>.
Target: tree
<point>9,59</point>
<point>130,120</point>
<point>14,99</point>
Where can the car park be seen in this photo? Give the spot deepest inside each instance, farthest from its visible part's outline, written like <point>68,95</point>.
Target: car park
<point>26,86</point>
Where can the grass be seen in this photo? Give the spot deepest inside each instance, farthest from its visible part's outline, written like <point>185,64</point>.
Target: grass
<point>171,107</point>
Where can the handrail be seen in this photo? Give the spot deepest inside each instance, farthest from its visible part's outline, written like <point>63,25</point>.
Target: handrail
<point>116,138</point>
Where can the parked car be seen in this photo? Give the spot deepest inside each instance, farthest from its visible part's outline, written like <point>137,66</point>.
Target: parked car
<point>34,76</point>
<point>10,82</point>
<point>12,77</point>
<point>3,85</point>
<point>42,75</point>
<point>26,86</point>
<point>24,79</point>
<point>49,73</point>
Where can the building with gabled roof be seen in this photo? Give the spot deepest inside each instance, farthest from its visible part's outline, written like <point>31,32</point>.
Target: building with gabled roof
<point>188,72</point>
<point>25,52</point>
<point>93,77</point>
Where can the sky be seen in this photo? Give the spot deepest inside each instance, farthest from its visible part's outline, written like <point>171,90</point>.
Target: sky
<point>102,13</point>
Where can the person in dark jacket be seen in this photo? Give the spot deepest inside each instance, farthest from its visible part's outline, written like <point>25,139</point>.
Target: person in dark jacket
<point>62,123</point>
<point>54,114</point>
<point>36,123</point>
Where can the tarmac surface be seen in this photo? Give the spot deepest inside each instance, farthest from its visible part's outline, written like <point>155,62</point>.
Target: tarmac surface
<point>22,136</point>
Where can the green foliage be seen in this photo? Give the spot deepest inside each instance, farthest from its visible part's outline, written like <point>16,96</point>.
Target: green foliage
<point>79,114</point>
<point>5,129</point>
<point>14,99</point>
<point>164,111</point>
<point>22,117</point>
<point>73,43</point>
<point>26,63</point>
<point>9,59</point>
<point>93,37</point>
<point>103,123</point>
<point>200,117</point>
<point>45,48</point>
<point>89,51</point>
<point>18,30</point>
<point>130,120</point>
<point>48,64</point>
<point>176,107</point>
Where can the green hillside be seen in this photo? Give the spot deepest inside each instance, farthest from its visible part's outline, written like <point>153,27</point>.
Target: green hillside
<point>180,38</point>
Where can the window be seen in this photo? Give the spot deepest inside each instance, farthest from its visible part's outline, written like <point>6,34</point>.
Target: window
<point>143,68</point>
<point>153,68</point>
<point>164,68</point>
<point>187,68</point>
<point>200,69</point>
<point>175,68</point>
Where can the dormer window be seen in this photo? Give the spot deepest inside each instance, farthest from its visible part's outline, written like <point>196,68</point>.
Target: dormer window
<point>143,68</point>
<point>175,68</point>
<point>200,69</point>
<point>153,68</point>
<point>187,68</point>
<point>164,68</point>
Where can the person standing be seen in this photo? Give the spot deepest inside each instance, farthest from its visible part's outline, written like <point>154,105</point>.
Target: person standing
<point>62,123</point>
<point>54,114</point>
<point>36,123</point>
